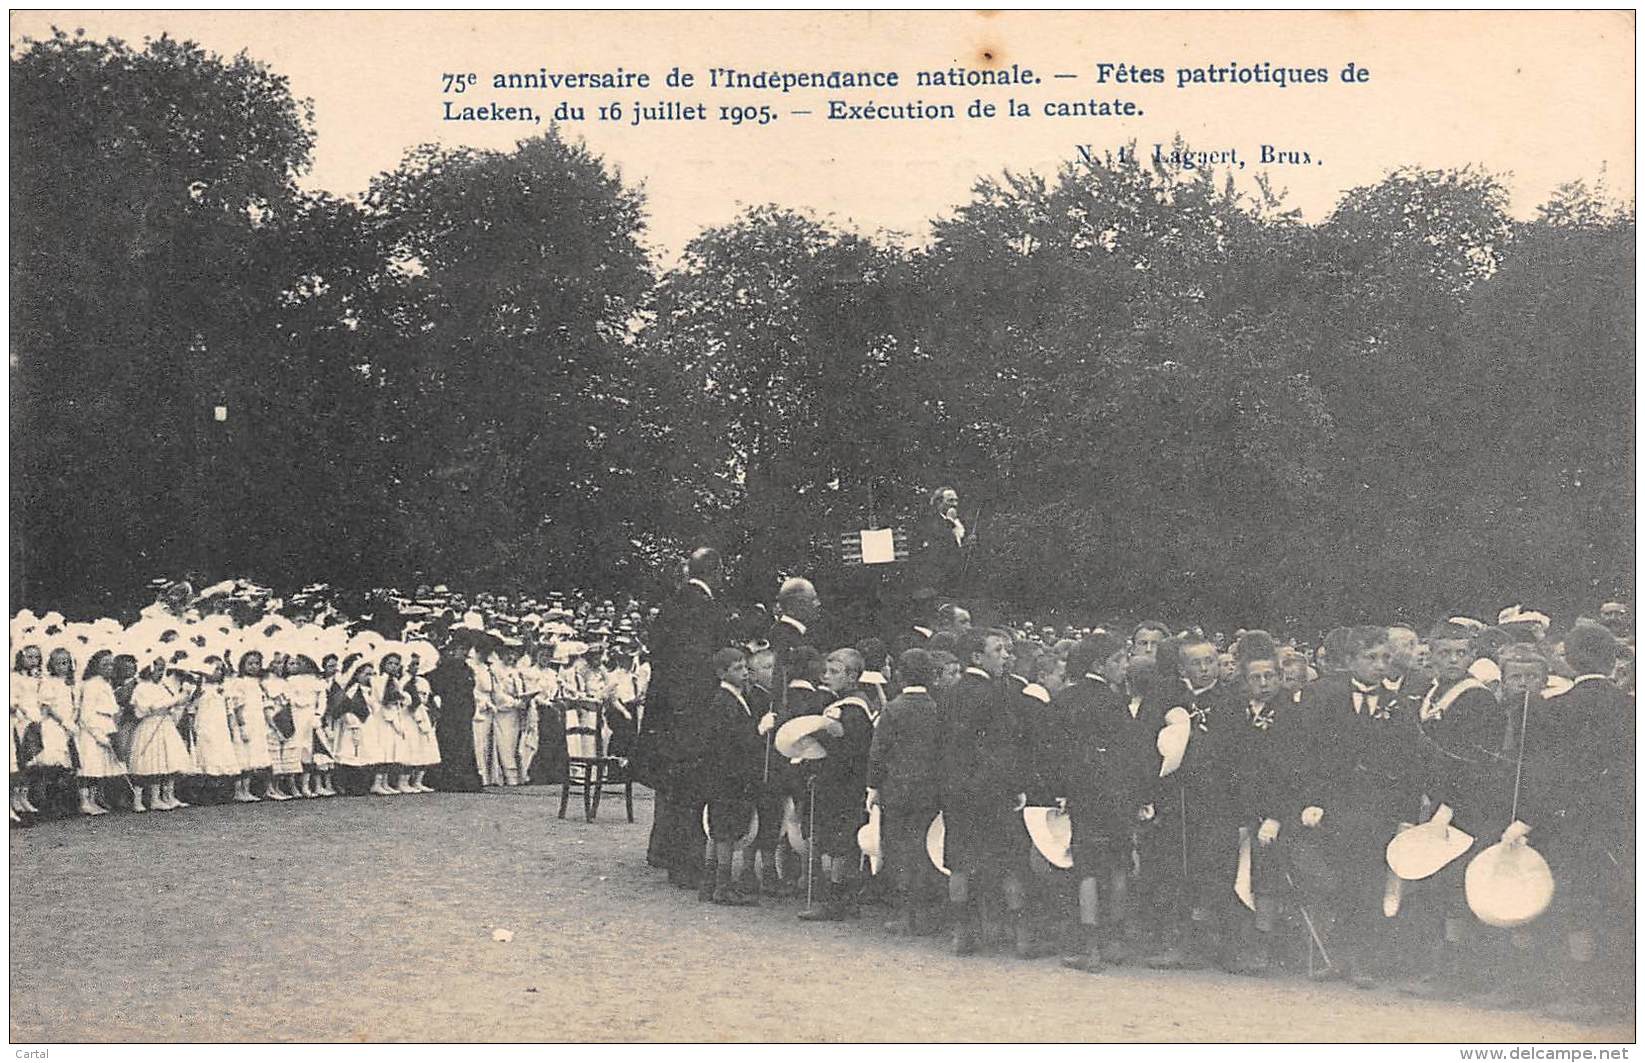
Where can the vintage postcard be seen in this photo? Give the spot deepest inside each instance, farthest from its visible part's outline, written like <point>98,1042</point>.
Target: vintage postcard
<point>823,526</point>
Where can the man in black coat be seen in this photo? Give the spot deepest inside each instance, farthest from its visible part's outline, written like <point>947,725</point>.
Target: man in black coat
<point>799,609</point>
<point>940,547</point>
<point>983,788</point>
<point>689,628</point>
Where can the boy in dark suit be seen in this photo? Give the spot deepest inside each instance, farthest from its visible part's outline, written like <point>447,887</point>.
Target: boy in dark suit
<point>1094,778</point>
<point>1577,798</point>
<point>1362,779</point>
<point>983,788</point>
<point>903,781</point>
<point>841,784</point>
<point>723,751</point>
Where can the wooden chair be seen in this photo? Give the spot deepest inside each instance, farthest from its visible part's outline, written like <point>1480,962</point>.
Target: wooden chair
<point>587,764</point>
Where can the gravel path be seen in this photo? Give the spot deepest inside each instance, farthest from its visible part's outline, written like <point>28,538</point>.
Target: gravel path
<point>371,920</point>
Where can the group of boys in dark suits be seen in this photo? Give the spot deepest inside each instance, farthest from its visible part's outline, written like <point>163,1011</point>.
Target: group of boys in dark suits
<point>1211,804</point>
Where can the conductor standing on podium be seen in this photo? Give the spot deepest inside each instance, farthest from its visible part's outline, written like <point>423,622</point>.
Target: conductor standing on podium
<point>942,545</point>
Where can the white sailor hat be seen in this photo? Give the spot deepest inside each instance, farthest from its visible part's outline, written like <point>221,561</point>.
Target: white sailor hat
<point>1508,885</point>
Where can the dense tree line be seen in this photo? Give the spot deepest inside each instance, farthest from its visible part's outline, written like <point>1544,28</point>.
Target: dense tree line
<point>1164,393</point>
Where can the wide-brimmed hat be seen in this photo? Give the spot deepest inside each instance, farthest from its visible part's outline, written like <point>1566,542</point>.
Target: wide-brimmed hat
<point>1052,833</point>
<point>935,838</point>
<point>1419,852</point>
<point>868,839</point>
<point>1172,740</point>
<point>797,739</point>
<point>1508,885</point>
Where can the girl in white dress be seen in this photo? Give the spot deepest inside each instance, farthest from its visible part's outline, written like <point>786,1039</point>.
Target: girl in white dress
<point>387,728</point>
<point>245,699</point>
<point>57,716</point>
<point>157,750</point>
<point>60,721</point>
<point>306,694</point>
<point>280,732</point>
<point>352,708</point>
<point>215,754</point>
<point>99,718</point>
<point>25,713</point>
<point>423,708</point>
<point>326,728</point>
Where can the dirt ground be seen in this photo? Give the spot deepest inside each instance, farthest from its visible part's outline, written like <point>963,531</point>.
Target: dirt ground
<point>371,919</point>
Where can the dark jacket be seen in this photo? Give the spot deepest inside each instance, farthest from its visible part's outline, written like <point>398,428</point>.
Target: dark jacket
<point>690,626</point>
<point>1371,762</point>
<point>720,749</point>
<point>1464,762</point>
<point>1261,755</point>
<point>1578,774</point>
<point>982,742</point>
<point>903,758</point>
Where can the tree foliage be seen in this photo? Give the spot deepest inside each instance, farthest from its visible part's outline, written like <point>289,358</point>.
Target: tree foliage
<point>1164,393</point>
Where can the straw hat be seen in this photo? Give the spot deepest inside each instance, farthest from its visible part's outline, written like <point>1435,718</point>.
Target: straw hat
<point>1508,885</point>
<point>1172,741</point>
<point>797,739</point>
<point>1052,833</point>
<point>1419,852</point>
<point>935,836</point>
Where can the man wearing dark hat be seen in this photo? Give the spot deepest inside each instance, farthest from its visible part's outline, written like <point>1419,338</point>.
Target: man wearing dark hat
<point>690,627</point>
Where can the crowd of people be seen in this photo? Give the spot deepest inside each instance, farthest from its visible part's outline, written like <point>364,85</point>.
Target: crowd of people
<point>234,695</point>
<point>1156,794</point>
<point>1136,791</point>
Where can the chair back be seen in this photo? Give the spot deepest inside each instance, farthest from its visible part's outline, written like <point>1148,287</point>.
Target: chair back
<point>584,730</point>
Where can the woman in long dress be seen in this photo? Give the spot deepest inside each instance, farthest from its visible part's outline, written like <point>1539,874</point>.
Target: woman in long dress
<point>158,754</point>
<point>25,713</point>
<point>245,699</point>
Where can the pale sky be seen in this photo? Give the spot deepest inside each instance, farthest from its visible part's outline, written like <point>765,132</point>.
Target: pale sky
<point>1544,97</point>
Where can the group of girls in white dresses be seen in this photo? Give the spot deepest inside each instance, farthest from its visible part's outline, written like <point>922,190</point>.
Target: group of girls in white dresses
<point>122,727</point>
